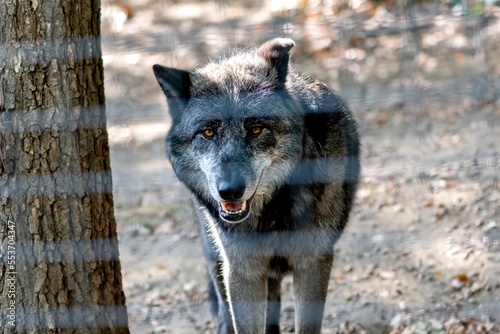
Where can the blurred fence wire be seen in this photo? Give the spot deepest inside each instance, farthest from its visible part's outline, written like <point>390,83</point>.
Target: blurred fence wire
<point>423,78</point>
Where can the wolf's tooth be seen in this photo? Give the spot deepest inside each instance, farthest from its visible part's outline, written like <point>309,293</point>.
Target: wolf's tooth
<point>243,208</point>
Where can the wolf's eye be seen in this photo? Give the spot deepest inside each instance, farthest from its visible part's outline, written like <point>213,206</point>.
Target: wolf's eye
<point>256,130</point>
<point>209,133</point>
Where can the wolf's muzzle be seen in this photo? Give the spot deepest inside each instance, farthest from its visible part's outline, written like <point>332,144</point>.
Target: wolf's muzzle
<point>233,209</point>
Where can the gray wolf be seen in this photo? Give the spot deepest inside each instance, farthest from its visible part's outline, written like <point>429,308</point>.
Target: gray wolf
<point>272,160</point>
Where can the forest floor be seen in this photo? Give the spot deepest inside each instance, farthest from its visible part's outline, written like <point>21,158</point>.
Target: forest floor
<point>422,251</point>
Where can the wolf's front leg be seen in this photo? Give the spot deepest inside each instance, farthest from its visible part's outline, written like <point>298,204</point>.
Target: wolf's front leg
<point>247,294</point>
<point>310,285</point>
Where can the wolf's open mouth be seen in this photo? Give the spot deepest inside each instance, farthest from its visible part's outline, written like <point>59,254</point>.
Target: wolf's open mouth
<point>234,212</point>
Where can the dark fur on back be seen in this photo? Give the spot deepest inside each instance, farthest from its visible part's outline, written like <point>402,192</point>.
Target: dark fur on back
<point>272,159</point>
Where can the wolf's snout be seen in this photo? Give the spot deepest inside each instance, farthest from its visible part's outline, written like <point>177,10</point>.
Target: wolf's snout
<point>233,209</point>
<point>231,190</point>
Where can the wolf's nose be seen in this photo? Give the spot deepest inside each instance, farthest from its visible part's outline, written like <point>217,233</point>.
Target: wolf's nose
<point>231,190</point>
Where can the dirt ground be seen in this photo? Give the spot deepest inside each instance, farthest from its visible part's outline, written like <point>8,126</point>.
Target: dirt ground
<point>422,251</point>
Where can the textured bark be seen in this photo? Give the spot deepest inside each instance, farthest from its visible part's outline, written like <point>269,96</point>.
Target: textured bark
<point>56,204</point>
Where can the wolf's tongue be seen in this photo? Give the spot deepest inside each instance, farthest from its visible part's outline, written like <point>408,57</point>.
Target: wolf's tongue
<point>232,206</point>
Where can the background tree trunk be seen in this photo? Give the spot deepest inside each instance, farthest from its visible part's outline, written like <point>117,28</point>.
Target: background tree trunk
<point>59,263</point>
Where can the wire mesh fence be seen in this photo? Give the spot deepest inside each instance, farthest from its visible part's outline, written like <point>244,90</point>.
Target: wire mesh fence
<point>422,250</point>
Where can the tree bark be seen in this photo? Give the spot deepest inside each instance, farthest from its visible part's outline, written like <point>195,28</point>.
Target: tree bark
<point>59,263</point>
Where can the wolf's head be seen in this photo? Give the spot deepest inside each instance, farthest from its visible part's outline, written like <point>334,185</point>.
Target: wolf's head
<point>236,132</point>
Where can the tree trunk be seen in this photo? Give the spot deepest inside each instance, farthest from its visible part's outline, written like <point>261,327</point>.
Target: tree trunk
<point>59,264</point>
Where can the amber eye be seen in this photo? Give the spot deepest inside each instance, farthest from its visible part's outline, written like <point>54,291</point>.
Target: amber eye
<point>209,133</point>
<point>256,130</point>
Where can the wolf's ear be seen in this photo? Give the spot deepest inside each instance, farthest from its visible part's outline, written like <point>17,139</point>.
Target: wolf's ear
<point>176,85</point>
<point>276,53</point>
